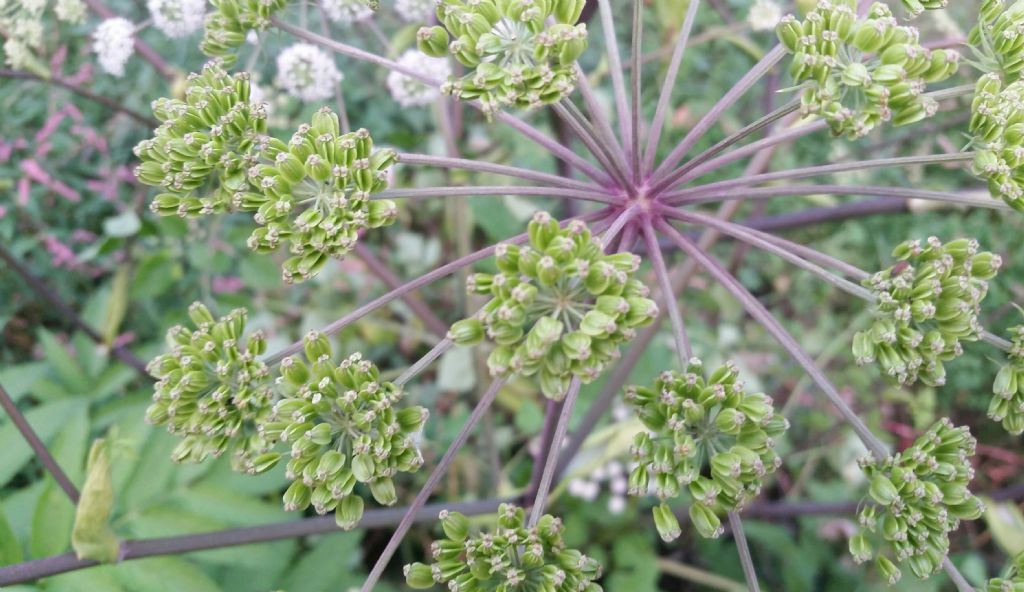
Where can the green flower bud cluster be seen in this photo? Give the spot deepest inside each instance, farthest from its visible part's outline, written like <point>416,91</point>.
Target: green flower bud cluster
<point>211,388</point>
<point>916,7</point>
<point>1012,581</point>
<point>997,125</point>
<point>520,53</point>
<point>226,27</point>
<point>858,73</point>
<point>707,434</point>
<point>560,307</point>
<point>513,558</point>
<point>315,192</point>
<point>998,39</point>
<point>199,154</point>
<point>344,427</point>
<point>925,306</point>
<point>1007,404</point>
<point>211,155</point>
<point>917,497</point>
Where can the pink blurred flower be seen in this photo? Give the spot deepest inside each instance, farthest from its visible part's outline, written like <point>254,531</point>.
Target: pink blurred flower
<point>227,284</point>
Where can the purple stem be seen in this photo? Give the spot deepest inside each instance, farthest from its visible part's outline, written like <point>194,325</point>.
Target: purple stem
<point>554,448</point>
<point>790,190</point>
<point>497,169</point>
<point>428,488</point>
<point>40,450</point>
<point>668,296</point>
<point>414,302</point>
<point>482,190</point>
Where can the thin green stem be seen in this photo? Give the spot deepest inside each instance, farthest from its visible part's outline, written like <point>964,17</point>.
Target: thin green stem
<point>668,85</point>
<point>685,195</point>
<point>428,488</point>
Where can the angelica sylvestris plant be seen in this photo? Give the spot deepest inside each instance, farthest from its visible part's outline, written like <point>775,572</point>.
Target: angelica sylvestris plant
<point>1012,580</point>
<point>926,305</point>
<point>707,435</point>
<point>212,387</point>
<point>560,307</point>
<point>344,427</point>
<point>512,557</point>
<point>917,497</point>
<point>562,301</point>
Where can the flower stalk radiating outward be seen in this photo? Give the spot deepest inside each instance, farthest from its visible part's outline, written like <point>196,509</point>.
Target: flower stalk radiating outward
<point>1007,406</point>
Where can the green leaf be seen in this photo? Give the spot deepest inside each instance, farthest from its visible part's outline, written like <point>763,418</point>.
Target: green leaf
<point>103,578</point>
<point>125,224</point>
<point>10,548</point>
<point>18,380</point>
<point>65,366</point>
<point>1006,523</point>
<point>455,370</point>
<point>91,536</point>
<point>331,565</point>
<point>155,274</point>
<point>117,304</point>
<point>46,420</point>
<point>164,574</point>
<point>51,523</point>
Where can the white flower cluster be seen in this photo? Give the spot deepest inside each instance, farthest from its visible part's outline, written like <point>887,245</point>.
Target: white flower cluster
<point>588,488</point>
<point>114,43</point>
<point>409,92</point>
<point>177,18</point>
<point>347,11</point>
<point>764,15</point>
<point>307,72</point>
<point>70,11</point>
<point>414,11</point>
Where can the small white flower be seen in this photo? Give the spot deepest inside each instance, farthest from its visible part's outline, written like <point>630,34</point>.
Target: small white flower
<point>33,7</point>
<point>616,504</point>
<point>764,15</point>
<point>18,55</point>
<point>619,486</point>
<point>70,11</point>
<point>347,11</point>
<point>177,18</point>
<point>414,11</point>
<point>307,72</point>
<point>409,92</point>
<point>114,43</point>
<point>620,412</point>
